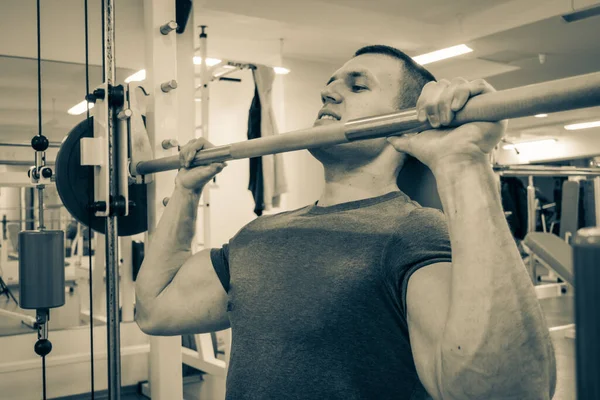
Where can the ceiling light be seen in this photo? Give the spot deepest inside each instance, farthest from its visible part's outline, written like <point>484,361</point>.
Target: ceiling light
<point>541,115</point>
<point>442,54</point>
<point>137,77</point>
<point>211,62</point>
<point>281,70</point>
<point>79,108</point>
<point>583,125</point>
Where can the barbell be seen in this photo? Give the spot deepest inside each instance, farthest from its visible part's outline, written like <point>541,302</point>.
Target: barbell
<point>74,182</point>
<point>547,97</point>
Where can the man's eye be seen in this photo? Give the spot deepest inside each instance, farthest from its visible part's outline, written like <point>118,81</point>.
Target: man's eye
<point>358,88</point>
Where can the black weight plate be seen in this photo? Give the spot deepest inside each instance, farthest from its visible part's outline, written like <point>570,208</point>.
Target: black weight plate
<point>75,186</point>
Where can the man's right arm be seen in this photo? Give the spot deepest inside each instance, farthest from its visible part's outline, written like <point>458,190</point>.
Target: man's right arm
<point>177,292</point>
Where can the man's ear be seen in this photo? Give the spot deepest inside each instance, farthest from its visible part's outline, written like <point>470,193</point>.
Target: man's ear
<point>417,181</point>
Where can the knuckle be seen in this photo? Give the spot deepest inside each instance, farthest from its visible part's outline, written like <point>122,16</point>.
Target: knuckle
<point>430,107</point>
<point>480,83</point>
<point>458,81</point>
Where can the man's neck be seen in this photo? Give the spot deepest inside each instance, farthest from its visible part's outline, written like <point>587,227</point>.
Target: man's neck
<point>343,186</point>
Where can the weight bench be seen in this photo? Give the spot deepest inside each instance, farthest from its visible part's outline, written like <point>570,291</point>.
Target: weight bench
<point>554,252</point>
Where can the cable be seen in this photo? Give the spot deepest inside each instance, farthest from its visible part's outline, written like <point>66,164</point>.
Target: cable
<point>39,60</point>
<point>44,374</point>
<point>103,55</point>
<point>87,91</point>
<point>39,77</point>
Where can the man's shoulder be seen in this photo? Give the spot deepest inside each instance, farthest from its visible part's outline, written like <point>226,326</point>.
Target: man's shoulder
<point>421,225</point>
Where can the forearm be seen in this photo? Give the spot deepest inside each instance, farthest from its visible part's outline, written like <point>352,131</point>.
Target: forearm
<point>495,330</point>
<point>170,246</point>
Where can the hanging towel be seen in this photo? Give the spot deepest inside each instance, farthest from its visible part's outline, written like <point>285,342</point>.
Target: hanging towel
<point>274,182</point>
<point>256,172</point>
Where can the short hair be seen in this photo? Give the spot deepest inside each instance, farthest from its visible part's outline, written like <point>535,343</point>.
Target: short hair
<point>414,78</point>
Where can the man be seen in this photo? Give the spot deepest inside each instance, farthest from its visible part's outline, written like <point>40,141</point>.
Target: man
<point>365,294</point>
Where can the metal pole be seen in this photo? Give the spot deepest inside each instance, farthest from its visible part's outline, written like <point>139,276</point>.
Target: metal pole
<point>597,200</point>
<point>112,256</point>
<point>586,253</point>
<point>40,190</point>
<point>541,170</point>
<point>204,114</point>
<point>531,223</point>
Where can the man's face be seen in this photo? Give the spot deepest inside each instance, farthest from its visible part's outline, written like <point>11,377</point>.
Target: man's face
<point>366,85</point>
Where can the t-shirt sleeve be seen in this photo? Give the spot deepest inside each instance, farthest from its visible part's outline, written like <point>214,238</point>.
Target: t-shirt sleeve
<point>422,240</point>
<point>220,262</point>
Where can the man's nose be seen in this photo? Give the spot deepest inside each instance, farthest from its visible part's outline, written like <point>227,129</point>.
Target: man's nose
<point>330,96</point>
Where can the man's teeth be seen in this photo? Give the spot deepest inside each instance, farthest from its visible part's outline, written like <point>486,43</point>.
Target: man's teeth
<point>328,117</point>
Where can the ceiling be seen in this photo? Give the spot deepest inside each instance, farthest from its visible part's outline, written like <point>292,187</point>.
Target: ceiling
<point>506,35</point>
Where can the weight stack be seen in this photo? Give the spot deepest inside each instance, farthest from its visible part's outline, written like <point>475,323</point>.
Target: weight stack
<point>41,269</point>
<point>586,260</point>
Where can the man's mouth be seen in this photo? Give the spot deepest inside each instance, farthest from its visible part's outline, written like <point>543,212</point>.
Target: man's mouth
<point>328,115</point>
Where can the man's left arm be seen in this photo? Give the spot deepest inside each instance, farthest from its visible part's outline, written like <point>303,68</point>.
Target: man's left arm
<point>493,341</point>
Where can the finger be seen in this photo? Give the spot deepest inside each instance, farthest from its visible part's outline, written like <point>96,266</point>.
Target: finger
<point>191,149</point>
<point>461,93</point>
<point>184,152</point>
<point>480,86</point>
<point>201,143</point>
<point>445,104</point>
<point>425,94</point>
<point>206,172</point>
<point>402,143</point>
<point>432,101</point>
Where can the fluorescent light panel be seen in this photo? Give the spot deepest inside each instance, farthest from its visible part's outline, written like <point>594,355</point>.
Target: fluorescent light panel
<point>541,115</point>
<point>442,54</point>
<point>281,70</point>
<point>582,125</point>
<point>79,108</point>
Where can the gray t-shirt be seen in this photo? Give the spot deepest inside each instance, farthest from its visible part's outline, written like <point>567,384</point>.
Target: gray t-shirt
<point>317,299</point>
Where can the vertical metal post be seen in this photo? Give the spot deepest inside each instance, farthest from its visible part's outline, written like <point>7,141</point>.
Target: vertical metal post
<point>40,189</point>
<point>597,200</point>
<point>127,284</point>
<point>204,95</point>
<point>586,253</point>
<point>112,257</point>
<point>23,210</point>
<point>531,220</point>
<point>162,123</point>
